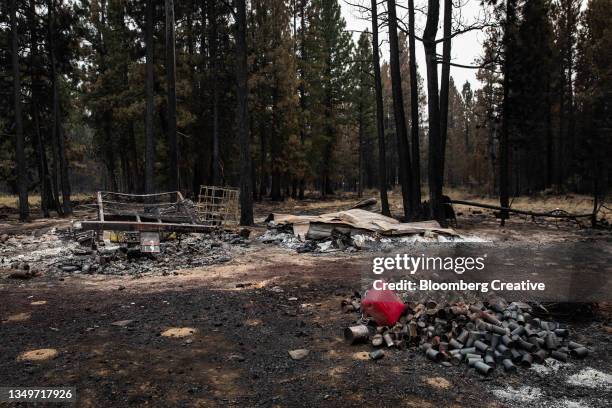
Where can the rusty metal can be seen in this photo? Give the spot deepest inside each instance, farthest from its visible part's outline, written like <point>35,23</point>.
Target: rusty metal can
<point>540,355</point>
<point>580,352</point>
<point>481,346</point>
<point>483,368</point>
<point>508,365</point>
<point>434,355</point>
<point>474,360</point>
<point>455,344</point>
<point>356,334</point>
<point>527,360</point>
<point>557,355</point>
<point>388,340</point>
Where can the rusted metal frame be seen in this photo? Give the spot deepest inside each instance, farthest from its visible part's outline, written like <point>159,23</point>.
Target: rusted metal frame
<point>143,226</point>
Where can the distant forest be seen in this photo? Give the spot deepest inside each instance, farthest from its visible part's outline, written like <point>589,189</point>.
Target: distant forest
<point>276,98</point>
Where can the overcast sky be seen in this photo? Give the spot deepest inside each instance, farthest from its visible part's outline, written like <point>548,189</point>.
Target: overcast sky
<point>465,48</point>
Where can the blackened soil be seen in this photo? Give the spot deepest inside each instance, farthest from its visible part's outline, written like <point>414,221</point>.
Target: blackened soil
<point>239,353</point>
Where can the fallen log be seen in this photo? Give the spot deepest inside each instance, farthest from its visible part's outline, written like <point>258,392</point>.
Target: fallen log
<point>551,214</point>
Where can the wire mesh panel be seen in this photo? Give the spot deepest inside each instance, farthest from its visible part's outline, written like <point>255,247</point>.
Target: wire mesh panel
<point>218,206</point>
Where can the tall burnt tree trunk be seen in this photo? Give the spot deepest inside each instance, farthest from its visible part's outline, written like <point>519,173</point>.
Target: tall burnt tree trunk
<point>242,116</point>
<point>380,126</point>
<point>171,97</point>
<point>216,164</point>
<point>38,144</point>
<point>302,93</point>
<point>58,135</point>
<point>433,104</point>
<point>445,84</point>
<point>398,110</point>
<point>149,135</point>
<point>22,175</point>
<point>360,124</point>
<point>414,114</point>
<point>504,160</point>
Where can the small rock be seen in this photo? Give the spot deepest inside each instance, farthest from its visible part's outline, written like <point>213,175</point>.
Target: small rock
<point>69,268</point>
<point>237,357</point>
<point>298,354</point>
<point>121,323</point>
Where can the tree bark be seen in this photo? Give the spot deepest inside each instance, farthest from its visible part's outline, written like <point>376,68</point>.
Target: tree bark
<point>242,118</point>
<point>398,110</point>
<point>58,139</point>
<point>22,176</point>
<point>380,126</point>
<point>216,164</point>
<point>37,142</point>
<point>445,84</point>
<point>504,161</point>
<point>171,97</point>
<point>414,113</point>
<point>433,104</point>
<point>149,92</point>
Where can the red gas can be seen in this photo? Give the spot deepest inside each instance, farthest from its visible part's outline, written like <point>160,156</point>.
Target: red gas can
<point>384,306</point>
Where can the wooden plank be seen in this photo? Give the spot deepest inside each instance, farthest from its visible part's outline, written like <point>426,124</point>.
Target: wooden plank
<point>143,226</point>
<point>100,207</point>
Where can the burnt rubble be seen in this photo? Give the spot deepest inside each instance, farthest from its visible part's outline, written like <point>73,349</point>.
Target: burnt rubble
<point>61,252</point>
<point>484,336</point>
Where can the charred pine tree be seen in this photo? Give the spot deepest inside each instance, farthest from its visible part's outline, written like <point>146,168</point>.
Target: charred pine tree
<point>380,126</point>
<point>242,116</point>
<point>504,160</point>
<point>171,97</point>
<point>149,95</point>
<point>38,142</point>
<point>22,175</point>
<point>59,147</point>
<point>414,114</point>
<point>216,163</point>
<point>433,104</point>
<point>445,83</point>
<point>398,110</point>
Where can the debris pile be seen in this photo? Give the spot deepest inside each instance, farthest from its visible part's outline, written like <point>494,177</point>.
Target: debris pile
<point>352,230</point>
<point>482,335</point>
<point>59,252</point>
